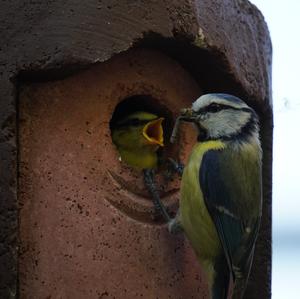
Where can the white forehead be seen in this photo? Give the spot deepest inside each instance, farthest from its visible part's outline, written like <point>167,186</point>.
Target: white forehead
<point>218,98</point>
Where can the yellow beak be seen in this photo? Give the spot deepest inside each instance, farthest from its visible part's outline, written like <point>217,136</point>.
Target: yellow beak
<point>153,132</point>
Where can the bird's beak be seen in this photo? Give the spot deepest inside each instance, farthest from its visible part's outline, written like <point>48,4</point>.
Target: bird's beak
<point>187,114</point>
<point>153,132</point>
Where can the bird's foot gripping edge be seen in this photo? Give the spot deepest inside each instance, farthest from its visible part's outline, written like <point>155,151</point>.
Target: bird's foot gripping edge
<point>177,166</point>
<point>174,167</point>
<point>150,184</point>
<point>174,226</point>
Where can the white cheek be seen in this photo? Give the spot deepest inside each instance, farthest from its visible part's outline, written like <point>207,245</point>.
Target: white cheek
<point>203,117</point>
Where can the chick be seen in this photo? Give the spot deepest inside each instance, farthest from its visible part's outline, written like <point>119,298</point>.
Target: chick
<point>138,136</point>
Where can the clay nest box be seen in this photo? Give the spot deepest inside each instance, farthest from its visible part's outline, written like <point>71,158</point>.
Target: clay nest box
<point>76,222</point>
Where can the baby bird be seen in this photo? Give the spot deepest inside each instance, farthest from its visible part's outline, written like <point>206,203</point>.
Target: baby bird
<point>138,136</point>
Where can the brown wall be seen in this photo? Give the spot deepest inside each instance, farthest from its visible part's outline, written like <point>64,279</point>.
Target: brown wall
<point>85,218</point>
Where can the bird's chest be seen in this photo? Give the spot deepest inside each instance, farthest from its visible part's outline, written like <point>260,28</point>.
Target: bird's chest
<point>195,218</point>
<point>139,158</point>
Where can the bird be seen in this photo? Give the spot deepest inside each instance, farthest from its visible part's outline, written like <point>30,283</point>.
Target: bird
<point>138,136</point>
<point>220,205</point>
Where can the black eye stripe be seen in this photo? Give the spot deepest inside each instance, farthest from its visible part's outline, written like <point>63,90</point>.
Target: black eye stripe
<point>134,122</point>
<point>214,107</point>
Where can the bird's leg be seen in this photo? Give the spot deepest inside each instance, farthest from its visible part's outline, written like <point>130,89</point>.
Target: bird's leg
<point>176,166</point>
<point>173,167</point>
<point>150,184</point>
<point>174,225</point>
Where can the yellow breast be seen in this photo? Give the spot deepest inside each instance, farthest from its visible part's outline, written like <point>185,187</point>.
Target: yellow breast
<point>195,218</point>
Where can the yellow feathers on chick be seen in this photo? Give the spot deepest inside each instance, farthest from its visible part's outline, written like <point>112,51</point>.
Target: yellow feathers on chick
<point>137,137</point>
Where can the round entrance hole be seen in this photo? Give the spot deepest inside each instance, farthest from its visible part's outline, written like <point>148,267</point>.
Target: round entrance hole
<point>152,82</point>
<point>146,103</point>
<point>139,205</point>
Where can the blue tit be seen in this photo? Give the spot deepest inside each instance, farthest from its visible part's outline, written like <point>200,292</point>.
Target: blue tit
<point>138,136</point>
<point>221,199</point>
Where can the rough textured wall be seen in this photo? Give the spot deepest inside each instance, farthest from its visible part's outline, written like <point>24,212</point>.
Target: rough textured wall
<point>87,225</point>
<point>224,44</point>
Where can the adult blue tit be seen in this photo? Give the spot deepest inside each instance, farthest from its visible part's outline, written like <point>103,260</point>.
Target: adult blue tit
<point>221,200</point>
<point>137,137</point>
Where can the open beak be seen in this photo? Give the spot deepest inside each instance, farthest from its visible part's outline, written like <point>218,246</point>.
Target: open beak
<point>153,132</point>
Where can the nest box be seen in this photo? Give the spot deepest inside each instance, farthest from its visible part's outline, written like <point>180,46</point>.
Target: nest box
<point>75,222</point>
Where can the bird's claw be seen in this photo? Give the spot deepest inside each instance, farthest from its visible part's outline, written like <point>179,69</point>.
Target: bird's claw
<point>150,184</point>
<point>175,166</point>
<point>174,226</point>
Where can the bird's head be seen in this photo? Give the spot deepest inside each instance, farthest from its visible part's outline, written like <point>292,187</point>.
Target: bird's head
<point>221,116</point>
<point>139,129</point>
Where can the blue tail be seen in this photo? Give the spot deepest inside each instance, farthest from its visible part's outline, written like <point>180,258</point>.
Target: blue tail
<point>222,280</point>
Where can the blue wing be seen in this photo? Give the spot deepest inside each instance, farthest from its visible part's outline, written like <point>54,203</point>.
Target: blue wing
<point>231,186</point>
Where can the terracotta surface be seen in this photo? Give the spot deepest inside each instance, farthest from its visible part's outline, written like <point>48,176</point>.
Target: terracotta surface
<point>84,233</point>
<point>224,45</point>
